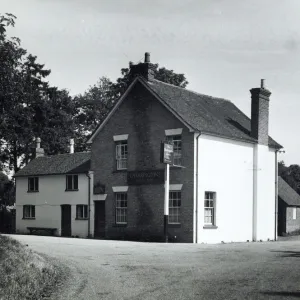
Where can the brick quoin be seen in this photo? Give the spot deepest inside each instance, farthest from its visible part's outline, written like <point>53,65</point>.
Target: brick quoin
<point>144,119</point>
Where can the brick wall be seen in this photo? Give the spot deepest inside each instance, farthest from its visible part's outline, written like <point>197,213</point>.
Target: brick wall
<point>291,224</point>
<point>145,119</point>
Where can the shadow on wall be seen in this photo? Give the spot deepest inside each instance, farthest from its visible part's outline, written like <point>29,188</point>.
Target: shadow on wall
<point>282,294</point>
<point>288,253</point>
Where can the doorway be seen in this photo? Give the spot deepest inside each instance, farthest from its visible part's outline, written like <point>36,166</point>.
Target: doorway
<point>66,220</point>
<point>99,219</point>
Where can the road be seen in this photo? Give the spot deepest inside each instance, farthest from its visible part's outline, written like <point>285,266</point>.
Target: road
<point>130,270</point>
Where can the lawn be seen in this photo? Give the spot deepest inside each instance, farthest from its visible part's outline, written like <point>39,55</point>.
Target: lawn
<point>24,274</point>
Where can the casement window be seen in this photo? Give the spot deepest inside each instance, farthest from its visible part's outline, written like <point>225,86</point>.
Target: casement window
<point>121,155</point>
<point>71,182</point>
<point>174,207</point>
<point>176,141</point>
<point>121,208</point>
<point>28,212</point>
<point>81,211</point>
<point>33,184</point>
<point>294,213</point>
<point>210,208</point>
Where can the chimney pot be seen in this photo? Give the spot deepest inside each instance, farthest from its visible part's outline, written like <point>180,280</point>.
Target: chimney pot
<point>147,57</point>
<point>262,83</point>
<point>71,146</point>
<point>39,151</point>
<point>38,143</point>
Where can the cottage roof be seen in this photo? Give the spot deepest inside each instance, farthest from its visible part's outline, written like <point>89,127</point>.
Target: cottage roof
<point>68,163</point>
<point>287,193</point>
<point>201,113</point>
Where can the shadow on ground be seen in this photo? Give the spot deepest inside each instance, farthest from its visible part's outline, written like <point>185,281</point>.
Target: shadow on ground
<point>283,294</point>
<point>288,253</point>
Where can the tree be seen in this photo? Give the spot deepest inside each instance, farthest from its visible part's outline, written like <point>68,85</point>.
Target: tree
<point>290,174</point>
<point>7,193</point>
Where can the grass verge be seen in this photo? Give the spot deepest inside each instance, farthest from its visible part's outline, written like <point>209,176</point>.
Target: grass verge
<point>23,273</point>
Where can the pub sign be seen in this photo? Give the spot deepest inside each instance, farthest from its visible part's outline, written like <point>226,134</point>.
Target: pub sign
<point>166,153</point>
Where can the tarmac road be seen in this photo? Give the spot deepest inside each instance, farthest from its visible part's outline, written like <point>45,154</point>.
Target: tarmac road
<point>102,269</point>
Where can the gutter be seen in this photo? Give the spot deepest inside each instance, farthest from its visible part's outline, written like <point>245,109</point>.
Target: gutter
<point>196,212</point>
<point>89,204</point>
<point>276,194</point>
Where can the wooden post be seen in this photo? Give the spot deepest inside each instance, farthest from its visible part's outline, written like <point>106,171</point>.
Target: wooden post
<point>166,204</point>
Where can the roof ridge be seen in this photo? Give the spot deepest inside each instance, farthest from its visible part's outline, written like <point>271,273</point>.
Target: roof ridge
<point>196,93</point>
<point>81,152</point>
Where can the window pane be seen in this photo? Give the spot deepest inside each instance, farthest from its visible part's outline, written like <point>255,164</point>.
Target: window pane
<point>36,183</point>
<point>75,178</point>
<point>69,182</point>
<point>33,211</point>
<point>31,184</point>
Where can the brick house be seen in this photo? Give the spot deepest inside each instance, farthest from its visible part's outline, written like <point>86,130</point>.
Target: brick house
<point>222,181</point>
<point>288,208</point>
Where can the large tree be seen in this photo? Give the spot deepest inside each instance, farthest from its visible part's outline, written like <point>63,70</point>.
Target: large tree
<point>290,174</point>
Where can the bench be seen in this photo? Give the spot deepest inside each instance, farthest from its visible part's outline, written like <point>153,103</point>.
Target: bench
<point>35,229</point>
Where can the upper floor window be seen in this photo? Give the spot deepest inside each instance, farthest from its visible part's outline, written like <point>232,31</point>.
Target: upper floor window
<point>33,184</point>
<point>28,212</point>
<point>174,207</point>
<point>176,141</point>
<point>210,208</point>
<point>72,182</point>
<point>81,211</point>
<point>121,155</point>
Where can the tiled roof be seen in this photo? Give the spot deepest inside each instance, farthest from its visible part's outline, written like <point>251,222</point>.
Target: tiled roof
<point>287,193</point>
<point>207,114</point>
<point>57,164</point>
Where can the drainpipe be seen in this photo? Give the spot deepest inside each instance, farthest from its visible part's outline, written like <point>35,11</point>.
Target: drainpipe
<point>89,204</point>
<point>196,229</point>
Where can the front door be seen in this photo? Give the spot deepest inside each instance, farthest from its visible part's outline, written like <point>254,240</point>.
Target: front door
<point>99,219</point>
<point>66,220</point>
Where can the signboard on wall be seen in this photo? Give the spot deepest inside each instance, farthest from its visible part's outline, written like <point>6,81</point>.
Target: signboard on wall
<point>166,154</point>
<point>145,177</point>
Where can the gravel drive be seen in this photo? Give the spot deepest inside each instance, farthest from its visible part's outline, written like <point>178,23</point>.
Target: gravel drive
<point>99,269</point>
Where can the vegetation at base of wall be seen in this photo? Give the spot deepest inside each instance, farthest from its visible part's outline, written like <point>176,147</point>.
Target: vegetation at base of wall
<point>295,232</point>
<point>24,274</point>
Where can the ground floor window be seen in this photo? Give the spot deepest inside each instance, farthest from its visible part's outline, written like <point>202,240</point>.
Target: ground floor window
<point>174,207</point>
<point>294,213</point>
<point>81,211</point>
<point>210,208</point>
<point>28,212</point>
<point>121,208</point>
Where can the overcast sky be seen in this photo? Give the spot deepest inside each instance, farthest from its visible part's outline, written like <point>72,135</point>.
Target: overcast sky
<point>224,47</point>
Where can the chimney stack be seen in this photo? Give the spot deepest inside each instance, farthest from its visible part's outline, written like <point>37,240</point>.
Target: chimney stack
<point>39,152</point>
<point>71,145</point>
<point>145,69</point>
<point>260,113</point>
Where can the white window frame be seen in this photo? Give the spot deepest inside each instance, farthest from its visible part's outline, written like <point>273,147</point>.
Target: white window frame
<point>31,211</point>
<point>174,210</point>
<point>82,211</point>
<point>121,204</point>
<point>294,213</point>
<point>210,208</point>
<point>121,154</point>
<point>35,181</point>
<point>176,140</point>
<point>72,182</point>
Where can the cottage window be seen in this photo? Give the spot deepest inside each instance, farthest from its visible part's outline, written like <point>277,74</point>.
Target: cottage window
<point>72,182</point>
<point>28,212</point>
<point>176,141</point>
<point>174,207</point>
<point>121,155</point>
<point>209,208</point>
<point>121,208</point>
<point>33,184</point>
<point>81,211</point>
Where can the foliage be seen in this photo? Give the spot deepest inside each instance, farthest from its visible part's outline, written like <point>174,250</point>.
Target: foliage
<point>290,174</point>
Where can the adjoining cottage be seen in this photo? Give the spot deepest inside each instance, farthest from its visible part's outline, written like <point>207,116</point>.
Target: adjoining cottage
<point>221,184</point>
<point>288,209</point>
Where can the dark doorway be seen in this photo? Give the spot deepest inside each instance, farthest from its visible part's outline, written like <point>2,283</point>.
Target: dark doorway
<point>99,219</point>
<point>66,220</point>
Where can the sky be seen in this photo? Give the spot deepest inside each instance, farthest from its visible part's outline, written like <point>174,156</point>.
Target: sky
<point>224,47</point>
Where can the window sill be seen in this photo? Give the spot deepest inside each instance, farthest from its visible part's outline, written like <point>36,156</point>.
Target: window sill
<point>28,218</point>
<point>119,225</point>
<point>210,227</point>
<point>174,225</point>
<point>81,219</point>
<point>120,171</point>
<point>72,190</point>
<point>32,191</point>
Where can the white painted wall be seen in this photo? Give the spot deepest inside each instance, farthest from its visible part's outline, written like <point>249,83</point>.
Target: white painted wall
<point>48,203</point>
<point>225,167</point>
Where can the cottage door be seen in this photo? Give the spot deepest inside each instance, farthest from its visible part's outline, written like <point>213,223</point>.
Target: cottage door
<point>99,219</point>
<point>66,220</point>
